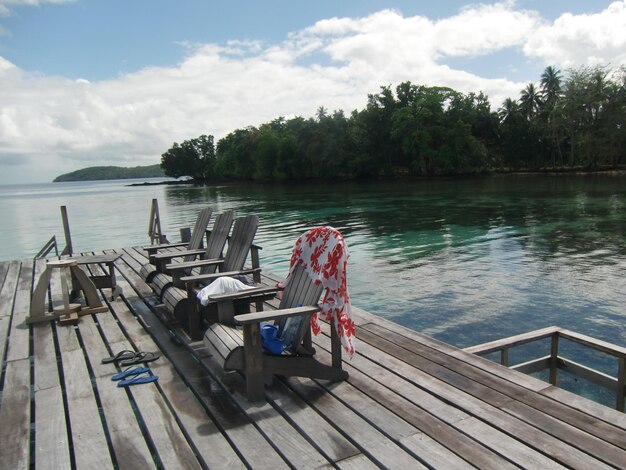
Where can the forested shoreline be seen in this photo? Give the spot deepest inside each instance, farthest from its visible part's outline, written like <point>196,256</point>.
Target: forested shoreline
<point>94,173</point>
<point>569,121</point>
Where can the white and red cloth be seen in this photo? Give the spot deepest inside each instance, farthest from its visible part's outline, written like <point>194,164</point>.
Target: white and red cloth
<point>324,254</point>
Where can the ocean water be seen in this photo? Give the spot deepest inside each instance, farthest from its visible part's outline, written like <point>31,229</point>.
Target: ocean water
<point>463,260</point>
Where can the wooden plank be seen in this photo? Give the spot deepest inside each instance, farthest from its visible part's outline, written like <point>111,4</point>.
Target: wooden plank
<point>208,440</point>
<point>437,419</point>
<point>167,438</point>
<point>87,429</point>
<point>433,453</point>
<point>361,317</point>
<point>512,341</point>
<point>51,434</point>
<point>357,462</point>
<point>291,444</point>
<point>595,446</point>
<point>89,441</point>
<point>558,410</point>
<point>129,445</point>
<point>469,396</point>
<point>15,405</point>
<point>369,440</point>
<point>15,416</point>
<point>19,333</point>
<point>4,268</point>
<point>7,298</point>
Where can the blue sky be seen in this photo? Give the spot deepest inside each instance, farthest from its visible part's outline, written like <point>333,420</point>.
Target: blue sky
<point>93,82</point>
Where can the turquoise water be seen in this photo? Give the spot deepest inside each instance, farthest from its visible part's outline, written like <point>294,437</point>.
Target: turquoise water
<point>465,261</point>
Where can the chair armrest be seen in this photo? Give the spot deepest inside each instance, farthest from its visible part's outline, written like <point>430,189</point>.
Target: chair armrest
<point>154,248</point>
<point>256,317</point>
<point>246,293</point>
<point>193,264</point>
<point>177,254</point>
<point>213,276</point>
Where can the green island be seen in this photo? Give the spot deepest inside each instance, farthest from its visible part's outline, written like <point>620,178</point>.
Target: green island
<point>111,173</point>
<point>568,121</point>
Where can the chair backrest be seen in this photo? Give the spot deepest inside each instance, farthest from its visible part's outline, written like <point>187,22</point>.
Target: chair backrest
<point>300,290</point>
<point>240,242</point>
<point>217,239</point>
<point>199,229</point>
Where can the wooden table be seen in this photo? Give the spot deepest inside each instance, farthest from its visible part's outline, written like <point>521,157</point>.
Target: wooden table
<point>101,281</point>
<point>68,311</point>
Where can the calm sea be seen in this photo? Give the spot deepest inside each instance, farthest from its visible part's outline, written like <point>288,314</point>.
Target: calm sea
<point>463,260</point>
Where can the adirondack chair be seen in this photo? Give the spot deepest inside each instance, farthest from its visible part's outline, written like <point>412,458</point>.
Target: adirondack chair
<point>158,255</point>
<point>159,260</point>
<point>214,250</point>
<point>241,350</point>
<point>182,302</point>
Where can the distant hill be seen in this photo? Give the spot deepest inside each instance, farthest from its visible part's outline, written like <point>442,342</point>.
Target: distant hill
<point>111,173</point>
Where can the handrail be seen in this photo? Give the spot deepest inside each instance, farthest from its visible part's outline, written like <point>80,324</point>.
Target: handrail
<point>555,362</point>
<point>47,248</point>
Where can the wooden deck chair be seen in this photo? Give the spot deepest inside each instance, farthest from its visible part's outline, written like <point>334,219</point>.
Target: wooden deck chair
<point>241,350</point>
<point>182,302</point>
<point>214,250</point>
<point>158,258</point>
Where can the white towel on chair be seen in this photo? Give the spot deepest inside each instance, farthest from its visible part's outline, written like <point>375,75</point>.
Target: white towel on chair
<point>221,285</point>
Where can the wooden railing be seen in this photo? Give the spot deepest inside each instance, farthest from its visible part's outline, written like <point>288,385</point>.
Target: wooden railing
<point>48,247</point>
<point>52,243</point>
<point>553,362</point>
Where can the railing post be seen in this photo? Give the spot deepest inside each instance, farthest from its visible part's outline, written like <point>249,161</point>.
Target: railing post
<point>154,230</point>
<point>504,356</point>
<point>256,263</point>
<point>68,250</point>
<point>621,384</point>
<point>554,352</point>
<point>185,234</point>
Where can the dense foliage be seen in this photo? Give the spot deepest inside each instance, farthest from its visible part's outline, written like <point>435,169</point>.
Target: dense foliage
<point>111,173</point>
<point>572,122</point>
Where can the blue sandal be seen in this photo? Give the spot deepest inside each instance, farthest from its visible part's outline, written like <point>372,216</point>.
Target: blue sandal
<point>144,378</point>
<point>129,372</point>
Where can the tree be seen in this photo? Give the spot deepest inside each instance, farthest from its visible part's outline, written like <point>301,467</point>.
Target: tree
<point>194,158</point>
<point>530,101</point>
<point>551,94</point>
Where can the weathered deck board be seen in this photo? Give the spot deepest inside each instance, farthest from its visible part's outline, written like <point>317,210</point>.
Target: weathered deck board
<point>51,438</point>
<point>410,400</point>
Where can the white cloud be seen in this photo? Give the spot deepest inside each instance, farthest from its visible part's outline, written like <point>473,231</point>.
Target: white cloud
<point>54,125</point>
<point>589,39</point>
<point>7,5</point>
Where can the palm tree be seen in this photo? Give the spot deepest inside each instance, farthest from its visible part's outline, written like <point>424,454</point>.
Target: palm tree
<point>508,110</point>
<point>530,101</point>
<point>551,93</point>
<point>551,85</point>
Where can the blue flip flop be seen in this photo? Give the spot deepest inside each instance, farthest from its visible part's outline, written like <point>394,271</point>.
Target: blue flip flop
<point>138,379</point>
<point>129,372</point>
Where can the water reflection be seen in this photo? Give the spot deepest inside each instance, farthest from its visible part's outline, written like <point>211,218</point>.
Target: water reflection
<point>466,261</point>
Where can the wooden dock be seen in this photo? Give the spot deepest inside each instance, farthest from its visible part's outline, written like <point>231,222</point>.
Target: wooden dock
<point>410,401</point>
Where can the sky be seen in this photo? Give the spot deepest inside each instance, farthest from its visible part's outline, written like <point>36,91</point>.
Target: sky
<point>117,82</point>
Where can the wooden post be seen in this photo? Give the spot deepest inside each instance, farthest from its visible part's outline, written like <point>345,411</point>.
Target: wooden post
<point>554,352</point>
<point>335,346</point>
<point>185,234</point>
<point>256,263</point>
<point>504,357</point>
<point>253,358</point>
<point>154,229</point>
<point>621,384</point>
<point>68,250</point>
